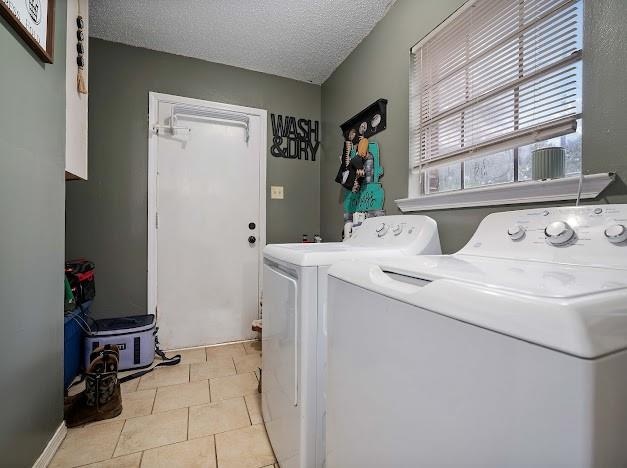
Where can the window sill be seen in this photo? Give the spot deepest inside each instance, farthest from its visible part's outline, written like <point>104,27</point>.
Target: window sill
<point>510,194</point>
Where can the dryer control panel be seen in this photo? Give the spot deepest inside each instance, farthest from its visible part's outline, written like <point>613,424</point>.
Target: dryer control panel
<point>410,233</point>
<point>582,235</point>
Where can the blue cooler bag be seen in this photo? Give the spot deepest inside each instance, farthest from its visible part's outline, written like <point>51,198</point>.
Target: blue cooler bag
<point>135,337</point>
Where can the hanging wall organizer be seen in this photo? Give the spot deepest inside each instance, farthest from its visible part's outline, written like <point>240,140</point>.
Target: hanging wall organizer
<point>368,122</point>
<point>360,164</point>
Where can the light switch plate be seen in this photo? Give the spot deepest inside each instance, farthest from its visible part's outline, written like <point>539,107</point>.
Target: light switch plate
<point>276,192</point>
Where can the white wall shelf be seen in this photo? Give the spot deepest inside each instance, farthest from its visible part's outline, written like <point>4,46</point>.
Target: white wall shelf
<point>510,194</point>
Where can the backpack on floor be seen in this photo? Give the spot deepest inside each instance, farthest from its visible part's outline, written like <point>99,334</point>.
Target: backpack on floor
<point>81,275</point>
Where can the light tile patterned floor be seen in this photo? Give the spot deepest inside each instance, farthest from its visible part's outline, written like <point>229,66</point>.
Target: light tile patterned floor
<point>204,412</point>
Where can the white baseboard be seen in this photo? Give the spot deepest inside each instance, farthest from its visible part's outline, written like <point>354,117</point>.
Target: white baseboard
<point>174,350</point>
<point>53,445</point>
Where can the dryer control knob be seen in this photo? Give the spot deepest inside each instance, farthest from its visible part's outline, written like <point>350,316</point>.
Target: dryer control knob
<point>558,233</point>
<point>516,232</point>
<point>382,230</point>
<point>397,229</point>
<point>616,233</point>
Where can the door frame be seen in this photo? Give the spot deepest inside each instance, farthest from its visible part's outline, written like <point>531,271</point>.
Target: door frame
<point>153,101</point>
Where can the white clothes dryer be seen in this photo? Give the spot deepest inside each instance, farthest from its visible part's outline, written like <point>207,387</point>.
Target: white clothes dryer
<point>294,327</point>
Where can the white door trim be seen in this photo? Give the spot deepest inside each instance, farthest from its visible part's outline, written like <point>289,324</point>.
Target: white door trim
<point>153,101</point>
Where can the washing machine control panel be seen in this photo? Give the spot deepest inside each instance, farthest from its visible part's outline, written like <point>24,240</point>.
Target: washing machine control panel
<point>558,233</point>
<point>583,235</point>
<point>616,233</point>
<point>516,232</point>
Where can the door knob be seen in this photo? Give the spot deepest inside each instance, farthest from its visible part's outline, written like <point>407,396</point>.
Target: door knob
<point>252,239</point>
<point>251,226</point>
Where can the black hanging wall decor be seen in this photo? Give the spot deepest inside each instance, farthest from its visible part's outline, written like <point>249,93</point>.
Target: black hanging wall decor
<point>368,122</point>
<point>81,85</point>
<point>356,148</point>
<point>294,138</point>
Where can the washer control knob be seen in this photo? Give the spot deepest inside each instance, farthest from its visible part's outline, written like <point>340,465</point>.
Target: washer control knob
<point>516,232</point>
<point>382,230</point>
<point>558,233</point>
<point>397,229</point>
<point>616,233</point>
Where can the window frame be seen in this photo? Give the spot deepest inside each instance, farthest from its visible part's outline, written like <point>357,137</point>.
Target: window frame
<point>417,186</point>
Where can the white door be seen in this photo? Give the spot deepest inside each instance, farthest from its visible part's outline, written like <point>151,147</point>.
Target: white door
<point>208,224</point>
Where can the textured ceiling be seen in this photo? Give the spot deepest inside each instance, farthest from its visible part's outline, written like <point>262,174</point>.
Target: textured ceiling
<point>301,39</point>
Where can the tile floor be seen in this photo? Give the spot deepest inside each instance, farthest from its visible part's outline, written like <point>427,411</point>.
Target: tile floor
<point>204,412</point>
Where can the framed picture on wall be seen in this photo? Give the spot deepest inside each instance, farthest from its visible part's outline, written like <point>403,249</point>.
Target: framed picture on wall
<point>34,22</point>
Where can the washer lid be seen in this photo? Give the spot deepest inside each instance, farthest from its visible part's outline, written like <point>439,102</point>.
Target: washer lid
<point>323,253</point>
<point>577,310</point>
<point>548,280</point>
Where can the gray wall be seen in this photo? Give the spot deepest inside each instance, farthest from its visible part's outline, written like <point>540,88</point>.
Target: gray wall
<point>379,67</point>
<point>32,192</point>
<point>106,215</point>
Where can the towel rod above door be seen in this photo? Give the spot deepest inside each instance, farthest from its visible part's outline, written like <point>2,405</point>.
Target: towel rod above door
<point>188,110</point>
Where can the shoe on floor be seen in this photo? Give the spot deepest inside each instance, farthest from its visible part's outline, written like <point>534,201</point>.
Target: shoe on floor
<point>102,398</point>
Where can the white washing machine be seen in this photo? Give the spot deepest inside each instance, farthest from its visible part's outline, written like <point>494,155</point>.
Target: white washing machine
<point>294,328</point>
<point>510,353</point>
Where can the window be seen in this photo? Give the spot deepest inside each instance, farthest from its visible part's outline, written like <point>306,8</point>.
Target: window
<point>495,81</point>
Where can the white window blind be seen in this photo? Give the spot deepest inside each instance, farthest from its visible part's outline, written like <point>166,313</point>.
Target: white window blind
<point>497,75</point>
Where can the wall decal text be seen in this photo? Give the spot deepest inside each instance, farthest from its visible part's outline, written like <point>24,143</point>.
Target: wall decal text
<point>294,138</point>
